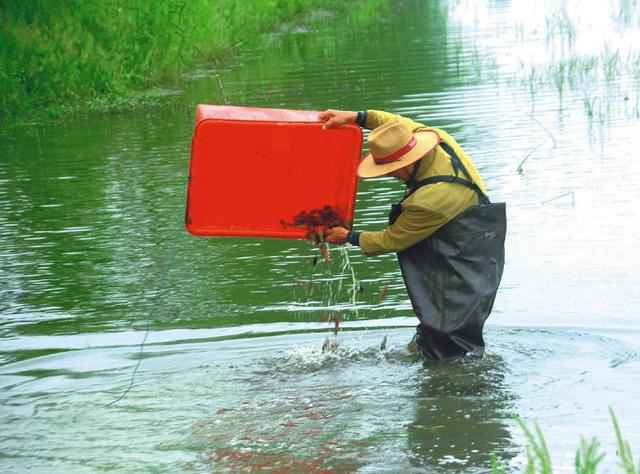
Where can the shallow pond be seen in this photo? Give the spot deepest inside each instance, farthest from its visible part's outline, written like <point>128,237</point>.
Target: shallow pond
<point>128,345</point>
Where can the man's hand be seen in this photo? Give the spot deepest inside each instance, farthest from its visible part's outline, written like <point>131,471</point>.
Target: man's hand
<point>336,118</point>
<point>337,235</point>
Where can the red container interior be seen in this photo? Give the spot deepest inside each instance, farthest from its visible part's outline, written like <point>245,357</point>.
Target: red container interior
<point>255,172</point>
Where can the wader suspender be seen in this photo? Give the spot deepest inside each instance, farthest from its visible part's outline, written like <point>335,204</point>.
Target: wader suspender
<point>457,165</point>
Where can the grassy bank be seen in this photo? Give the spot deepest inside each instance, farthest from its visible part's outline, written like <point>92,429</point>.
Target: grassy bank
<point>55,52</point>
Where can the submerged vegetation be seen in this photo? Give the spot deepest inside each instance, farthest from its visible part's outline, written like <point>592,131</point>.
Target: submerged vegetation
<point>587,459</point>
<point>57,52</point>
<point>606,77</point>
<point>597,76</point>
<point>599,68</point>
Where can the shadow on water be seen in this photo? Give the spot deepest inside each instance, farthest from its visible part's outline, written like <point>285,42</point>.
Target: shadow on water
<point>363,409</point>
<point>254,400</point>
<point>462,408</point>
<point>359,409</point>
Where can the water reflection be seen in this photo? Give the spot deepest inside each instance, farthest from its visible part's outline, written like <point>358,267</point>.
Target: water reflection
<point>461,416</point>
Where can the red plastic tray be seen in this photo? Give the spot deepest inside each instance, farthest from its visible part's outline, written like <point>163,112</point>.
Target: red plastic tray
<point>253,170</point>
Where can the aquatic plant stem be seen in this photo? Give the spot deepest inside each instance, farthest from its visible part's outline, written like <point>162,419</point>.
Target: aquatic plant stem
<point>553,138</point>
<point>537,450</point>
<point>520,168</point>
<point>624,450</point>
<point>587,457</point>
<point>221,89</point>
<point>167,263</point>
<point>135,369</point>
<point>568,193</point>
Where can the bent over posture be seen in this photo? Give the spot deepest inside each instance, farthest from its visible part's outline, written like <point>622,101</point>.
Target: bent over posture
<point>448,236</point>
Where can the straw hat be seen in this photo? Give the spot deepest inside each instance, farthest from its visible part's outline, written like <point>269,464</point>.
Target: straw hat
<point>392,146</point>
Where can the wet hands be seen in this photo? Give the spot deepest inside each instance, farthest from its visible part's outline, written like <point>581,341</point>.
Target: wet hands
<point>336,235</point>
<point>336,118</point>
<point>328,235</point>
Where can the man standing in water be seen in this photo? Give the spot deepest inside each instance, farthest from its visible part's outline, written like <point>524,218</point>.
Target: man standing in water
<point>448,236</point>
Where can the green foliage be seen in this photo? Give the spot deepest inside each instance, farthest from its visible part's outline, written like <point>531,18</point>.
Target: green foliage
<point>538,458</point>
<point>624,450</point>
<point>588,456</point>
<point>497,467</point>
<point>56,51</point>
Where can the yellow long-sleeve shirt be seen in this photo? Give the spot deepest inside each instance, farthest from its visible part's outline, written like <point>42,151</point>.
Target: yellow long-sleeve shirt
<point>430,207</point>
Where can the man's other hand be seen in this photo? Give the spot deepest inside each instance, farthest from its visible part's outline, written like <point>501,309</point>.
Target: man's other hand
<point>337,235</point>
<point>336,118</point>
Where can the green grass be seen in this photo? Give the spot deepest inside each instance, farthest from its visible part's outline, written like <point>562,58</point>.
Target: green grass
<point>58,52</point>
<point>588,456</point>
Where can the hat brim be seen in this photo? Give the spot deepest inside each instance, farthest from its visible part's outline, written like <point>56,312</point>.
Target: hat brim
<point>426,141</point>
